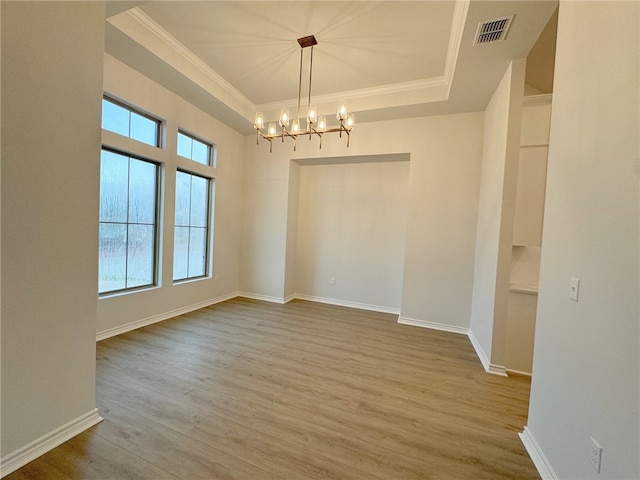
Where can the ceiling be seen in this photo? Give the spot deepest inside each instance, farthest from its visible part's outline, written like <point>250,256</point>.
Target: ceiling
<point>388,59</point>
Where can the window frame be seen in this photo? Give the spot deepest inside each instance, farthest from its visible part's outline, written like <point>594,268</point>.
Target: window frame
<point>211,148</point>
<point>157,218</point>
<point>208,267</point>
<point>160,125</point>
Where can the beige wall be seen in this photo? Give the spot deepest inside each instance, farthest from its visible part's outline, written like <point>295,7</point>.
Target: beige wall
<point>51,93</point>
<point>586,362</point>
<point>439,240</point>
<point>121,312</point>
<point>527,234</point>
<point>351,224</point>
<point>503,118</point>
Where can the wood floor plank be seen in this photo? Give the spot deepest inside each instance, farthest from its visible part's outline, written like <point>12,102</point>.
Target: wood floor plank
<point>91,457</point>
<point>248,389</point>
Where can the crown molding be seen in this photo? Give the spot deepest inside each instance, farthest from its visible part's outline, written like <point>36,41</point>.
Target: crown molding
<point>391,89</point>
<point>460,11</point>
<point>153,37</point>
<point>142,29</point>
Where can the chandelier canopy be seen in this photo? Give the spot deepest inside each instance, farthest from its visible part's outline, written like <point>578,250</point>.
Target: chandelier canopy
<point>316,124</point>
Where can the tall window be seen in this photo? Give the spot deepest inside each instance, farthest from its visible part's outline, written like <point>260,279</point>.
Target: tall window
<point>128,222</point>
<point>191,235</point>
<point>131,123</point>
<point>195,149</point>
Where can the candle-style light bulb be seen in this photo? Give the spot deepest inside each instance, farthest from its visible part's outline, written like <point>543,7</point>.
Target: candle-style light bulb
<point>351,121</point>
<point>342,110</point>
<point>322,123</point>
<point>271,130</point>
<point>258,122</point>
<point>284,117</point>
<point>312,115</point>
<point>295,125</point>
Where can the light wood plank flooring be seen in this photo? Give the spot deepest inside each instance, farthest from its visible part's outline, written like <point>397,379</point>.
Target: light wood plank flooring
<point>253,390</point>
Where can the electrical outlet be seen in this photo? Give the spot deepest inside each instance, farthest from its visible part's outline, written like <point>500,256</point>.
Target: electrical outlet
<point>333,280</point>
<point>596,455</point>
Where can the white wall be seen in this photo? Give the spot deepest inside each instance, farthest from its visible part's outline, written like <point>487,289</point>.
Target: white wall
<point>587,357</point>
<point>527,233</point>
<point>51,94</point>
<point>503,118</point>
<point>120,312</point>
<point>444,182</point>
<point>351,228</point>
<point>439,240</point>
<point>290,286</point>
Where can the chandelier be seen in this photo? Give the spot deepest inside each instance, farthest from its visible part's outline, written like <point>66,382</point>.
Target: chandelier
<point>316,124</point>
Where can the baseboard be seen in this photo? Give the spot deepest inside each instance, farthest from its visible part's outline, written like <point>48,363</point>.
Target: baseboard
<point>264,298</point>
<point>517,373</point>
<point>497,370</point>
<point>289,298</point>
<point>346,303</point>
<point>479,351</point>
<point>433,325</point>
<point>112,332</point>
<point>486,364</point>
<point>537,456</point>
<point>42,445</point>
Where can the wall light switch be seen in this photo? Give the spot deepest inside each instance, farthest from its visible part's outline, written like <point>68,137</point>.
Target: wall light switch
<point>574,288</point>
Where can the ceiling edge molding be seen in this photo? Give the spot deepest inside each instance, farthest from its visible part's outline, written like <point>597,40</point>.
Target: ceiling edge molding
<point>162,44</point>
<point>394,88</point>
<point>460,11</point>
<point>143,30</point>
<point>455,40</point>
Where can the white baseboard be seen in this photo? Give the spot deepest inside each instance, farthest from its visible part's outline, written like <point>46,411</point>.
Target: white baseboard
<point>328,301</point>
<point>22,456</point>
<point>346,303</point>
<point>538,457</point>
<point>289,298</point>
<point>433,325</point>
<point>487,365</point>
<point>264,298</point>
<point>479,351</point>
<point>112,332</point>
<point>497,370</point>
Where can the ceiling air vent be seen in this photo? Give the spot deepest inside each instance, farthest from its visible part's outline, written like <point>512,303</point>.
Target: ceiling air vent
<point>492,31</point>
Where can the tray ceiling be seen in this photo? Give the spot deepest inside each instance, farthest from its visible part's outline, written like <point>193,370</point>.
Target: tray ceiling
<point>390,59</point>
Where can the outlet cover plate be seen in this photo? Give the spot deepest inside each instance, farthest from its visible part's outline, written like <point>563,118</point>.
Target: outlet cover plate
<point>596,455</point>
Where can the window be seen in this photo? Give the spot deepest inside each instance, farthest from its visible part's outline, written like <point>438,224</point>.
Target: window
<point>128,222</point>
<point>196,150</point>
<point>191,235</point>
<point>125,121</point>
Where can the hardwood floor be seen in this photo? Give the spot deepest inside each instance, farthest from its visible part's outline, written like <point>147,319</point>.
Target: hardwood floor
<point>253,390</point>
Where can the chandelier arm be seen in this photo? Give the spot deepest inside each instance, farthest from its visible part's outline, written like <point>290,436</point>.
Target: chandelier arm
<point>346,121</point>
